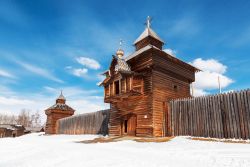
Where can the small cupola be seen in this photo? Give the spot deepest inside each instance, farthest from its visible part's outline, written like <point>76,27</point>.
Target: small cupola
<point>148,37</point>
<point>120,52</point>
<point>61,99</point>
<point>121,64</point>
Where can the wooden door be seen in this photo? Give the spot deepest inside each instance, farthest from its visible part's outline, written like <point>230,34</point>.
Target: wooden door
<point>124,126</point>
<point>132,126</point>
<point>167,119</point>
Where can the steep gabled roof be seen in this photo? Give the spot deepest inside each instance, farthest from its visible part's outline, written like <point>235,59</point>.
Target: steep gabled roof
<point>171,58</point>
<point>138,52</point>
<point>148,32</point>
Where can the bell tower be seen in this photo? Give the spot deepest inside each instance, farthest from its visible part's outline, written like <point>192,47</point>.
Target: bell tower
<point>148,37</point>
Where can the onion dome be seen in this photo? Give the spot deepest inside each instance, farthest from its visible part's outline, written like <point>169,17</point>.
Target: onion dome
<point>119,53</point>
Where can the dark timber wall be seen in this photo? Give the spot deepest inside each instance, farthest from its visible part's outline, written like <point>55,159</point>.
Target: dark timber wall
<point>90,123</point>
<point>219,116</point>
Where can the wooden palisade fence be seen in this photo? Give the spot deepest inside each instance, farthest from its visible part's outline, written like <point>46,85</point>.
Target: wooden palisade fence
<point>217,116</point>
<point>90,123</point>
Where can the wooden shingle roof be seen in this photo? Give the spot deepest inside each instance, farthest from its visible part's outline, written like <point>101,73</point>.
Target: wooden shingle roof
<point>148,32</point>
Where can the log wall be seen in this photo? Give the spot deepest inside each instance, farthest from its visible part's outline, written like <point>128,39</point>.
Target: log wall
<point>164,90</point>
<point>90,123</point>
<point>218,116</point>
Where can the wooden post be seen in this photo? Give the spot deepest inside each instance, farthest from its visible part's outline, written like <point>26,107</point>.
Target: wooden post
<point>109,90</point>
<point>163,120</point>
<point>125,85</point>
<point>131,83</point>
<point>219,84</point>
<point>120,86</point>
<point>142,85</point>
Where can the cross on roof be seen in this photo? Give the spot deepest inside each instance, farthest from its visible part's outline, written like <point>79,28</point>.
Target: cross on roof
<point>149,20</point>
<point>120,43</point>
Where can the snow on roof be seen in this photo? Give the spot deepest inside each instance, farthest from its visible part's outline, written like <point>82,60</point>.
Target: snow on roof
<point>148,32</point>
<point>61,107</point>
<point>10,126</point>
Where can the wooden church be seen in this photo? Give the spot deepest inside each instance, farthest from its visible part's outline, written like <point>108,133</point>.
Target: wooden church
<point>139,87</point>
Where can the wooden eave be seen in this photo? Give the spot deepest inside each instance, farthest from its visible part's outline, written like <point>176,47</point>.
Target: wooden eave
<point>140,52</point>
<point>105,81</point>
<point>105,72</point>
<point>178,61</point>
<point>122,96</point>
<point>120,74</point>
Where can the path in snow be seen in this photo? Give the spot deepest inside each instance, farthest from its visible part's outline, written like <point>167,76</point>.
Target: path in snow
<point>62,151</point>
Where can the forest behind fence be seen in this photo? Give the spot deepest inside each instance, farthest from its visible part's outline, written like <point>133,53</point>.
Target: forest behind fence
<point>218,116</point>
<point>90,123</point>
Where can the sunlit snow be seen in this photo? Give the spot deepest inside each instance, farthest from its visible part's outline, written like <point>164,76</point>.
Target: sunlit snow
<point>37,150</point>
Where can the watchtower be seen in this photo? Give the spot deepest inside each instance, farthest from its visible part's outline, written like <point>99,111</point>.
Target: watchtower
<point>57,111</point>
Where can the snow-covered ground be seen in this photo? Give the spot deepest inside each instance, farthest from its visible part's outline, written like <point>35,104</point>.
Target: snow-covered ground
<point>36,150</point>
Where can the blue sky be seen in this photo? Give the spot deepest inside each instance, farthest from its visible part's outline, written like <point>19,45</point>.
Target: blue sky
<point>49,45</point>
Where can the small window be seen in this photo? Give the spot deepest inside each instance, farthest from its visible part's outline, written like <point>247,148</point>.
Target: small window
<point>176,88</point>
<point>117,87</point>
<point>126,126</point>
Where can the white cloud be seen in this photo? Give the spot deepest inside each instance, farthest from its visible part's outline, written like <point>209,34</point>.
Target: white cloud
<point>80,72</point>
<point>86,106</point>
<point>207,79</point>
<point>14,101</point>
<point>210,65</point>
<point>40,71</point>
<point>88,62</point>
<point>81,100</point>
<point>199,92</point>
<point>7,74</point>
<point>171,52</point>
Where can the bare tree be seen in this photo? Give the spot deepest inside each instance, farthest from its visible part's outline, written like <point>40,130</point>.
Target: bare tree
<point>37,119</point>
<point>7,119</point>
<point>24,118</point>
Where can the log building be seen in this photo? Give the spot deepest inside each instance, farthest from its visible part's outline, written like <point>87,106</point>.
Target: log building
<point>11,130</point>
<point>57,111</point>
<point>139,86</point>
